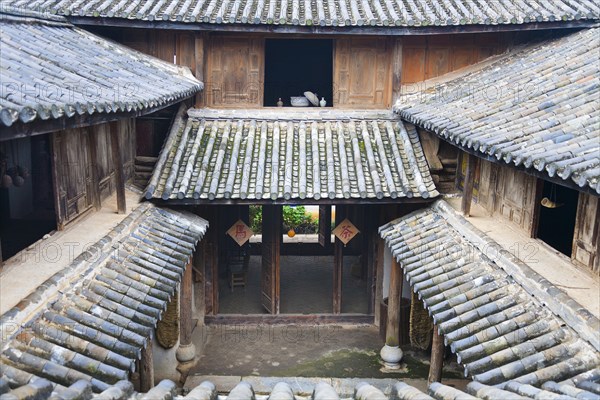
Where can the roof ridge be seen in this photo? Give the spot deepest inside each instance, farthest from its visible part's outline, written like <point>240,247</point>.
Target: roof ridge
<point>24,15</point>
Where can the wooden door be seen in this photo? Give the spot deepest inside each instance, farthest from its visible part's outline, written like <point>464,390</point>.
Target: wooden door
<point>103,164</point>
<point>72,169</point>
<point>587,230</point>
<point>235,72</point>
<point>362,76</point>
<point>271,242</point>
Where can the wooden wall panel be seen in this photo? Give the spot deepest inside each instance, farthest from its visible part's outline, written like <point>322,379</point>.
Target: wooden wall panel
<point>507,193</point>
<point>103,162</point>
<point>362,73</point>
<point>426,57</point>
<point>235,72</point>
<point>72,174</point>
<point>587,231</point>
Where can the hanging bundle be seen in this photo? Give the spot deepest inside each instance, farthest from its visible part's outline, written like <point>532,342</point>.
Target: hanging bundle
<point>551,201</point>
<point>167,329</point>
<point>421,326</point>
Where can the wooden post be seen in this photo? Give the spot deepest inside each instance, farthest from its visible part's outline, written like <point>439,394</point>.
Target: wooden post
<point>468,185</point>
<point>338,262</point>
<point>93,142</point>
<point>147,368</point>
<point>392,334</point>
<point>186,351</point>
<point>437,357</point>
<point>118,163</point>
<point>271,249</point>
<point>391,354</point>
<point>57,176</point>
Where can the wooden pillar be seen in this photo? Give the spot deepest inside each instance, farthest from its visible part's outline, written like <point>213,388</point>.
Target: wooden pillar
<point>393,322</point>
<point>391,354</point>
<point>147,368</point>
<point>468,185</point>
<point>437,357</point>
<point>186,351</point>
<point>118,164</point>
<point>338,262</point>
<point>92,143</point>
<point>379,250</point>
<point>270,271</point>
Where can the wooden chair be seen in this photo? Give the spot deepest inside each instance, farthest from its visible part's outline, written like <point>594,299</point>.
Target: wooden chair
<point>237,267</point>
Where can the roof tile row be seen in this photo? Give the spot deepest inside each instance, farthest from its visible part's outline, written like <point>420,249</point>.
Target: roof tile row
<point>328,12</point>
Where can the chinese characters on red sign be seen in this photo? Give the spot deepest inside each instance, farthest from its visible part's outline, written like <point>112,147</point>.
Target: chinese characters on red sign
<point>240,232</point>
<point>345,231</point>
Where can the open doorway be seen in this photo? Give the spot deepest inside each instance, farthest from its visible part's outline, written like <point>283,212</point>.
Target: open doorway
<point>289,265</point>
<point>558,210</point>
<point>294,66</point>
<point>26,194</point>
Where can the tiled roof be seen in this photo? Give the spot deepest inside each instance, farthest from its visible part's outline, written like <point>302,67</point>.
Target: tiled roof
<point>504,322</point>
<point>536,107</point>
<point>90,321</point>
<point>327,12</point>
<point>51,69</point>
<point>586,388</point>
<point>216,155</point>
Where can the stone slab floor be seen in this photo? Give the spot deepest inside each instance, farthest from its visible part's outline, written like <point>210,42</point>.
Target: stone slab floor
<point>325,351</point>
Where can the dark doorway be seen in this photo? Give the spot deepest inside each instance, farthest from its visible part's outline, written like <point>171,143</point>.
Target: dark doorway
<point>26,194</point>
<point>557,217</point>
<point>294,66</point>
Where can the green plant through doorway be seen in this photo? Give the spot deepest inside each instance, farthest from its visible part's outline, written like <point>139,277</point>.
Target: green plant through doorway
<point>294,217</point>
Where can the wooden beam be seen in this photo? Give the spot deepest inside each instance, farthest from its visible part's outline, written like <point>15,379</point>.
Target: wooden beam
<point>287,319</point>
<point>468,185</point>
<point>118,164</point>
<point>147,368</point>
<point>392,332</point>
<point>437,357</point>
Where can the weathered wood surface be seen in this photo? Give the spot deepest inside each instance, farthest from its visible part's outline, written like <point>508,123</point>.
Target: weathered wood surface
<point>235,69</point>
<point>147,368</point>
<point>185,307</point>
<point>73,174</point>
<point>436,364</point>
<point>270,287</point>
<point>362,75</point>
<point>426,57</point>
<point>467,197</point>
<point>586,243</point>
<point>117,160</point>
<point>392,332</point>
